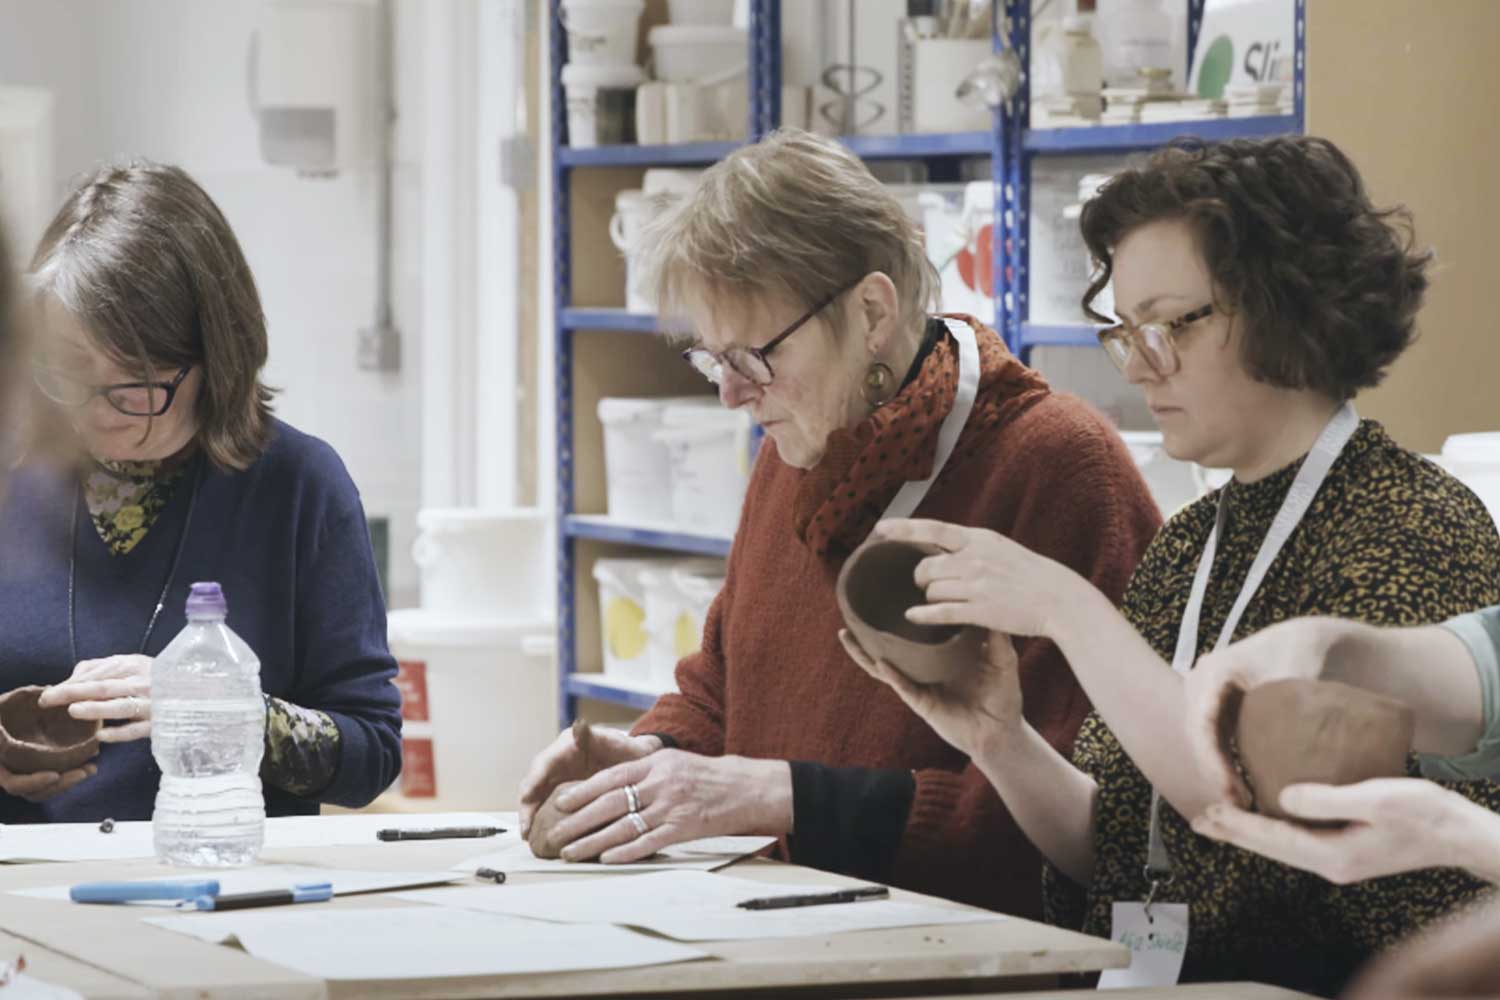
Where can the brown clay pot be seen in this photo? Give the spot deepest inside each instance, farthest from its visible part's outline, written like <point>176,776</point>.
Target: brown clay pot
<point>875,589</point>
<point>36,739</point>
<point>1293,731</point>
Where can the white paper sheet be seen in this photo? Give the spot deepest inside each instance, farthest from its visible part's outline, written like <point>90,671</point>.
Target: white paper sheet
<point>85,842</point>
<point>708,854</point>
<point>263,878</point>
<point>692,906</point>
<point>423,942</point>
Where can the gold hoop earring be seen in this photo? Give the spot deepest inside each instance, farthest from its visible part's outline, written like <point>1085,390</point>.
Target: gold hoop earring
<point>879,385</point>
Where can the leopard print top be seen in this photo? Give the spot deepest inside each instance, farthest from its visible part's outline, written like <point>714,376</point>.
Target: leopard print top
<point>1391,540</point>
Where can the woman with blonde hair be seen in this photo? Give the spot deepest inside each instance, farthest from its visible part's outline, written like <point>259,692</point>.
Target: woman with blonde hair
<point>806,292</point>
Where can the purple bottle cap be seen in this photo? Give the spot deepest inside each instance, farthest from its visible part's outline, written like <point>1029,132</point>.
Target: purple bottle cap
<point>206,600</point>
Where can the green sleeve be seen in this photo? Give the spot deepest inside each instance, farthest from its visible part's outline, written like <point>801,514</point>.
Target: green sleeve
<point>1480,632</point>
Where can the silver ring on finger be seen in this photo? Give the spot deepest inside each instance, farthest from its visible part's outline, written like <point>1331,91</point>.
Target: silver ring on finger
<point>137,706</point>
<point>632,799</point>
<point>639,822</point>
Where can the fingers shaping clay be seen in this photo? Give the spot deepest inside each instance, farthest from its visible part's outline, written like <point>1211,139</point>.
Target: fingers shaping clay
<point>1293,731</point>
<point>875,588</point>
<point>34,739</point>
<point>581,768</point>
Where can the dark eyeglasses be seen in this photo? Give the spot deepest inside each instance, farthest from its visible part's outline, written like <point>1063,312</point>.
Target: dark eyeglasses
<point>1153,341</point>
<point>133,399</point>
<point>752,363</point>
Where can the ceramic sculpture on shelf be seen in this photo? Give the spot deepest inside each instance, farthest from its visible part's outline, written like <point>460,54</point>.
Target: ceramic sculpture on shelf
<point>1295,731</point>
<point>539,837</point>
<point>875,588</point>
<point>35,739</point>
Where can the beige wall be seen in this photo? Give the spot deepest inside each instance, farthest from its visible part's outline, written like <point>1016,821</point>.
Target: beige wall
<point>1410,90</point>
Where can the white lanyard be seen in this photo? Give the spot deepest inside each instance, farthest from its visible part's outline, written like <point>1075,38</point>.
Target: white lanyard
<point>904,504</point>
<point>1298,499</point>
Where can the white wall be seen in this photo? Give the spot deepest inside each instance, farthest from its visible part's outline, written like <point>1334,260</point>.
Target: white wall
<point>166,79</point>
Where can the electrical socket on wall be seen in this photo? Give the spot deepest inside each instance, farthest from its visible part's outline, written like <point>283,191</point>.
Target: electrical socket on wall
<point>379,349</point>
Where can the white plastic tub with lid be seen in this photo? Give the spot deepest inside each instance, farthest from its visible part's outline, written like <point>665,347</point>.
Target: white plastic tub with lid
<point>678,595</point>
<point>637,466</point>
<point>479,696</point>
<point>625,653</point>
<point>709,455</point>
<point>601,103</point>
<point>693,53</point>
<point>601,32</point>
<point>489,563</point>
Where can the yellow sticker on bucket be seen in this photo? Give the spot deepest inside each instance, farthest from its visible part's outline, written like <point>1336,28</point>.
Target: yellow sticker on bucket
<point>624,628</point>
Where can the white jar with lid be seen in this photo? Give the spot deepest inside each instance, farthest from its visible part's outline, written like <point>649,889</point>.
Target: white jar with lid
<point>1082,59</point>
<point>1136,35</point>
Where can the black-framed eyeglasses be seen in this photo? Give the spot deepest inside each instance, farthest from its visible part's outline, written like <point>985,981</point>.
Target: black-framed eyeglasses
<point>752,363</point>
<point>133,399</point>
<point>1154,341</point>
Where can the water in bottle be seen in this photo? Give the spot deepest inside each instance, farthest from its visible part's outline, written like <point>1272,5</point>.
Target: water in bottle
<point>208,725</point>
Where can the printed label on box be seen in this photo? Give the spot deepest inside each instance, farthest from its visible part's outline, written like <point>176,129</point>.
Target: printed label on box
<point>418,769</point>
<point>411,681</point>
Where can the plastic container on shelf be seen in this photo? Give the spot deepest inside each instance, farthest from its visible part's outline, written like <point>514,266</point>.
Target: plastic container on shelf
<point>1081,58</point>
<point>478,696</point>
<point>632,211</point>
<point>958,229</point>
<point>1134,35</point>
<point>709,456</point>
<point>637,466</point>
<point>1475,460</point>
<point>477,562</point>
<point>677,599</point>
<point>625,652</point>
<point>695,53</point>
<point>601,103</point>
<point>701,12</point>
<point>601,32</point>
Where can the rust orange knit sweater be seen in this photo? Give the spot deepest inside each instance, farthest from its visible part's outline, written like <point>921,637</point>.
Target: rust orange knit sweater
<point>772,680</point>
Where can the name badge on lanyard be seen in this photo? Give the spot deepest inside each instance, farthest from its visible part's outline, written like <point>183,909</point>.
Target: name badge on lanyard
<point>1155,932</point>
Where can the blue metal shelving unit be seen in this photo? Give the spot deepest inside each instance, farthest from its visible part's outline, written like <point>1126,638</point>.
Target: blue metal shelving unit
<point>1013,148</point>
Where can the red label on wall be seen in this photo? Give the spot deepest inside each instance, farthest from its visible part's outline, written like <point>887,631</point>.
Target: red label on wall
<point>411,681</point>
<point>418,771</point>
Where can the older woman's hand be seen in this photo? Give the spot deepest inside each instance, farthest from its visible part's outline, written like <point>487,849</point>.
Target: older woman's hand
<point>112,689</point>
<point>1217,683</point>
<point>975,711</point>
<point>682,796</point>
<point>1391,825</point>
<point>983,578</point>
<point>563,761</point>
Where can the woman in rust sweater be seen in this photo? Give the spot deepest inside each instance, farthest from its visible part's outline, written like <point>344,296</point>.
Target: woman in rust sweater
<point>807,294</point>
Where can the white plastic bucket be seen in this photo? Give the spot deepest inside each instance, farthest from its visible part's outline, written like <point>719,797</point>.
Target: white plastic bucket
<point>698,53</point>
<point>601,32</point>
<point>625,644</point>
<point>678,595</point>
<point>633,209</point>
<point>1475,460</point>
<point>637,467</point>
<point>601,103</point>
<point>709,455</point>
<point>479,697</point>
<point>715,12</point>
<point>494,564</point>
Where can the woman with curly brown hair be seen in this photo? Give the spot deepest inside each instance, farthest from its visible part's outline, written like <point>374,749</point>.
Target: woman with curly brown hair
<point>1258,291</point>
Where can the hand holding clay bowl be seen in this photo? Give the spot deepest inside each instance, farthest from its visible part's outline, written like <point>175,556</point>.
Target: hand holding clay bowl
<point>1322,732</point>
<point>35,739</point>
<point>876,587</point>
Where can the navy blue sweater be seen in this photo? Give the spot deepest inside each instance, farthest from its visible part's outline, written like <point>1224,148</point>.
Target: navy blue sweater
<point>288,541</point>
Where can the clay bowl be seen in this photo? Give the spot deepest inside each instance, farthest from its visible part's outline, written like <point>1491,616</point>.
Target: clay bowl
<point>875,589</point>
<point>36,739</point>
<point>1293,731</point>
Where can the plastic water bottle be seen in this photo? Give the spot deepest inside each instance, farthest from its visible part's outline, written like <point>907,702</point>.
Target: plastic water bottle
<point>208,730</point>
